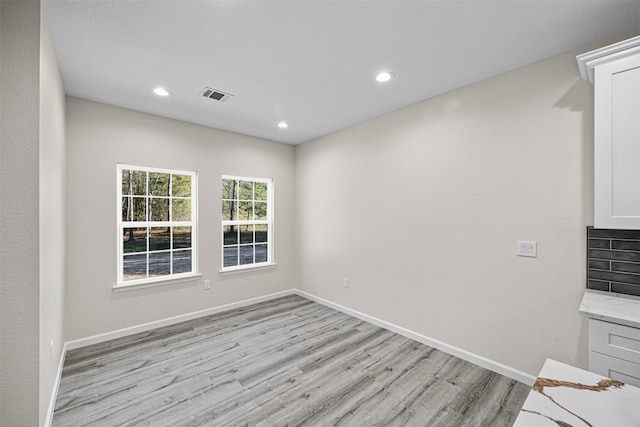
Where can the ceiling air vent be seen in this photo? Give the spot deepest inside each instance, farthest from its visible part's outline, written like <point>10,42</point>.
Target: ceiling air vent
<point>216,95</point>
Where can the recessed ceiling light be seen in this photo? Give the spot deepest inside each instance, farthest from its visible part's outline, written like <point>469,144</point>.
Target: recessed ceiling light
<point>160,91</point>
<point>283,125</point>
<point>384,76</point>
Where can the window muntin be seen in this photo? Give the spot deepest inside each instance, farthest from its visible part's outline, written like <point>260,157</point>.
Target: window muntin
<point>156,224</point>
<point>246,222</point>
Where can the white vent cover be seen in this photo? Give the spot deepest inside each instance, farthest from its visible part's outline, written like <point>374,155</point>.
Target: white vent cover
<point>216,95</point>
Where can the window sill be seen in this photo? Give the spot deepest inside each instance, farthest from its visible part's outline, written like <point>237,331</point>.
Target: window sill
<point>248,269</point>
<point>158,282</point>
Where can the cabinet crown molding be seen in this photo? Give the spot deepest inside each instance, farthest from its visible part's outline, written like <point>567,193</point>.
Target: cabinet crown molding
<point>588,61</point>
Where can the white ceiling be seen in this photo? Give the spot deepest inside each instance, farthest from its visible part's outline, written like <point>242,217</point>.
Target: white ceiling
<point>310,63</point>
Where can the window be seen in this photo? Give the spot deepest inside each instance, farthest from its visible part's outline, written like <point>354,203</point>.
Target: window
<point>246,222</point>
<point>156,224</point>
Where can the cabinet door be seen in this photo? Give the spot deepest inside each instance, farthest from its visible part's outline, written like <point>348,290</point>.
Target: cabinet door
<point>615,340</point>
<point>617,144</point>
<point>614,368</point>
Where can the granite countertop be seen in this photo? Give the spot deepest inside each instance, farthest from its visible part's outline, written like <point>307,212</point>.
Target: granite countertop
<point>567,396</point>
<point>616,308</point>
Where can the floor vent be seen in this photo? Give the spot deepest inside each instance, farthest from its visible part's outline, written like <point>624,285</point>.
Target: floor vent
<point>216,95</point>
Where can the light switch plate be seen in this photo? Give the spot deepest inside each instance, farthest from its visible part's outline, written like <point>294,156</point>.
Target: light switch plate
<point>526,248</point>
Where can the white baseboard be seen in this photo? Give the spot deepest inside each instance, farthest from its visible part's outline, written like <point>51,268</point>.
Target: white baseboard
<point>56,387</point>
<point>455,351</point>
<point>95,339</point>
<point>491,365</point>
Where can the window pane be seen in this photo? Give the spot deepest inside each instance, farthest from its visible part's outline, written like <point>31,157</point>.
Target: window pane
<point>126,181</point>
<point>230,234</point>
<point>245,211</point>
<point>135,208</point>
<point>261,233</point>
<point>246,234</point>
<point>127,209</point>
<point>181,210</point>
<point>181,186</point>
<point>182,262</point>
<point>229,189</point>
<point>159,264</point>
<point>261,210</point>
<point>231,256</point>
<point>229,210</point>
<point>246,255</point>
<point>134,267</point>
<point>138,183</point>
<point>246,190</point>
<point>159,238</point>
<point>261,191</point>
<point>134,240</point>
<point>261,253</point>
<point>159,184</point>
<point>181,237</point>
<point>159,209</point>
<point>134,182</point>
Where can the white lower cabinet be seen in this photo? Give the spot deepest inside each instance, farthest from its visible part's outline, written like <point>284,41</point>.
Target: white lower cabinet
<point>614,351</point>
<point>617,369</point>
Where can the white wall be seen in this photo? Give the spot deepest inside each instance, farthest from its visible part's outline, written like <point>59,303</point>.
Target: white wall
<point>98,137</point>
<point>19,212</point>
<point>422,208</point>
<point>52,220</point>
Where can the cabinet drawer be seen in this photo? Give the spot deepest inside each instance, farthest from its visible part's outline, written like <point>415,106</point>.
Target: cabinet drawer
<point>617,369</point>
<point>614,340</point>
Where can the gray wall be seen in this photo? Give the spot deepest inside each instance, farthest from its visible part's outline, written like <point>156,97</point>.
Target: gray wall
<point>99,137</point>
<point>31,215</point>
<point>19,212</point>
<point>422,208</point>
<point>52,217</point>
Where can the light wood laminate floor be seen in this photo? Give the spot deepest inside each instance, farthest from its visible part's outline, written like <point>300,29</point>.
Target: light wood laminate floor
<point>284,362</point>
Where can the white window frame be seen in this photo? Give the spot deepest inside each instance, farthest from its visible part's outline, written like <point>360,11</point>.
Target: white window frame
<point>122,225</point>
<point>269,222</point>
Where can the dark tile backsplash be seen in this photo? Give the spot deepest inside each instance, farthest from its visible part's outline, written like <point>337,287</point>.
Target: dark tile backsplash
<point>613,260</point>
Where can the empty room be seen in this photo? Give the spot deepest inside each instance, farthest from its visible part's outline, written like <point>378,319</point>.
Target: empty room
<point>320,213</point>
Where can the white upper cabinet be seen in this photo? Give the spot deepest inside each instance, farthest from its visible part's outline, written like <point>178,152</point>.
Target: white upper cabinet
<point>615,73</point>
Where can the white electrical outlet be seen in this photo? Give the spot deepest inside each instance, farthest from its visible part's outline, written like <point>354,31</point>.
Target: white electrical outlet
<point>528,249</point>
<point>345,282</point>
<point>207,285</point>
